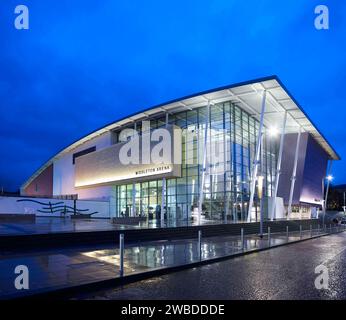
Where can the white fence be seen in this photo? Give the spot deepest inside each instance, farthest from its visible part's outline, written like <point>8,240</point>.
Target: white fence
<point>45,206</point>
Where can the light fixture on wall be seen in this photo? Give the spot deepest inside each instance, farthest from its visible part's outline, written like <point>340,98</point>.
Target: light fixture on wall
<point>329,177</point>
<point>273,131</point>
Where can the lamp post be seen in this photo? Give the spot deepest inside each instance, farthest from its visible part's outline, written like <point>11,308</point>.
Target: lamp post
<point>329,178</point>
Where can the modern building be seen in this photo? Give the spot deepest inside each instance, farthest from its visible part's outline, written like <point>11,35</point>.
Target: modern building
<point>274,158</point>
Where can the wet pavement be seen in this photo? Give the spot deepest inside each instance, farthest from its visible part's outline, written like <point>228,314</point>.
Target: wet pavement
<point>60,268</point>
<point>44,225</point>
<point>286,272</point>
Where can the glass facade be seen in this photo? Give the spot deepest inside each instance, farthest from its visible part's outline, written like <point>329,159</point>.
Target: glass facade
<point>226,192</point>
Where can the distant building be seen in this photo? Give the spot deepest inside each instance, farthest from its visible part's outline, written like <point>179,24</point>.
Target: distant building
<point>337,197</point>
<point>90,168</point>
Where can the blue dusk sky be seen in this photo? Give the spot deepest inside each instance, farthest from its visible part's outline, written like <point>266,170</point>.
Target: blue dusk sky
<point>83,64</point>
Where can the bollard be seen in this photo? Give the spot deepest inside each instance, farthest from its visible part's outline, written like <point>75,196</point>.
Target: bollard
<point>310,230</point>
<point>268,236</point>
<point>287,233</point>
<point>121,253</point>
<point>200,244</point>
<point>242,238</point>
<point>318,229</point>
<point>300,231</point>
<point>330,228</point>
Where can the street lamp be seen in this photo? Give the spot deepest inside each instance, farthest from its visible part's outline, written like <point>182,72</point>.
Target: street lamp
<point>329,178</point>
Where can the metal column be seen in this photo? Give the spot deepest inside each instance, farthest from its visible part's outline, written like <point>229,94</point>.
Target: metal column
<point>226,204</point>
<point>294,172</point>
<point>163,196</point>
<point>163,200</point>
<point>257,157</point>
<point>260,186</point>
<point>278,168</point>
<point>133,200</point>
<point>201,195</point>
<point>133,213</point>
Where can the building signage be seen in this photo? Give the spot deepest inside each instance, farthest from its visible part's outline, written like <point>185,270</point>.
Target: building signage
<point>161,169</point>
<point>114,165</point>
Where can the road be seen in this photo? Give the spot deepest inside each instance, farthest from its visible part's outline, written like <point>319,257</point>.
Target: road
<point>286,272</point>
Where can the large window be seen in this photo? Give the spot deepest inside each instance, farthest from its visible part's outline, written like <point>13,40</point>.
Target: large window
<point>226,192</point>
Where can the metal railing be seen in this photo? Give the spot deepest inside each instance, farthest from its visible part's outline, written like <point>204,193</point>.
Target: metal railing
<point>246,242</point>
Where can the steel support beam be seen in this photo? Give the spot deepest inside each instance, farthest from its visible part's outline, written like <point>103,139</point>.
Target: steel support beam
<point>261,189</point>
<point>257,157</point>
<point>163,200</point>
<point>133,200</point>
<point>163,196</point>
<point>133,211</point>
<point>201,191</point>
<point>294,172</point>
<point>225,156</point>
<point>278,167</point>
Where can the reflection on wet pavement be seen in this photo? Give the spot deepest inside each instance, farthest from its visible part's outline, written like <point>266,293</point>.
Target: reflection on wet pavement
<point>53,225</point>
<point>70,267</point>
<point>284,273</point>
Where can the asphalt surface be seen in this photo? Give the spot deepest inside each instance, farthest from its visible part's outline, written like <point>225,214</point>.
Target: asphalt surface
<point>286,272</point>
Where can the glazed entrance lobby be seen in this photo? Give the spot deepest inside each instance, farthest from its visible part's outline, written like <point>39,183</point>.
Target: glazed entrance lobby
<point>268,139</point>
